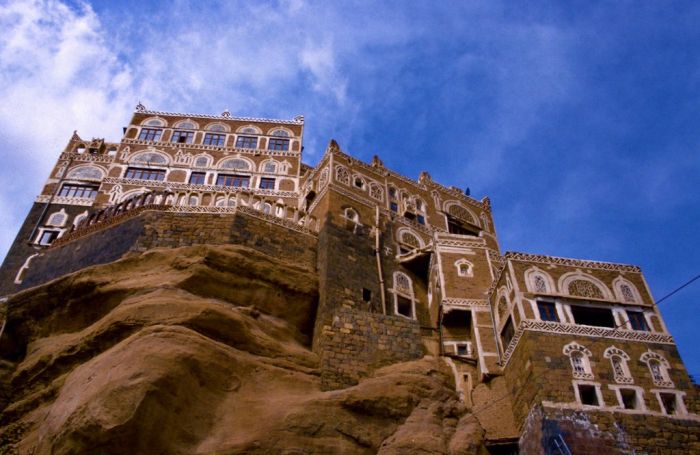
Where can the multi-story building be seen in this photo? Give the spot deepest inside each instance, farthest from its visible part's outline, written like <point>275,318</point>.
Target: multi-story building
<point>556,355</point>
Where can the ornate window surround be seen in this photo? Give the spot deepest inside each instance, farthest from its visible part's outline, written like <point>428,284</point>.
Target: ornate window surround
<point>405,292</point>
<point>163,122</point>
<point>581,368</point>
<point>243,129</point>
<point>405,230</point>
<point>567,278</point>
<point>661,378</point>
<point>71,174</point>
<point>622,374</point>
<point>61,214</point>
<point>469,272</point>
<point>134,159</point>
<point>271,132</point>
<point>617,286</point>
<point>535,271</point>
<point>209,126</point>
<point>179,123</point>
<point>248,161</point>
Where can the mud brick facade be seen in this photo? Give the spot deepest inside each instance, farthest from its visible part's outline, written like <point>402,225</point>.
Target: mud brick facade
<point>554,355</point>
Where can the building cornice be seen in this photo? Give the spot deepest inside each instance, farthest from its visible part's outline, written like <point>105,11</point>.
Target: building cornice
<point>296,121</point>
<point>582,263</point>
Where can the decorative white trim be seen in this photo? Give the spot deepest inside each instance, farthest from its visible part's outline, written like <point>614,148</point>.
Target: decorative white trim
<point>621,375</point>
<point>639,397</point>
<point>402,286</point>
<point>660,377</point>
<point>566,279</point>
<point>548,260</point>
<point>226,117</point>
<point>582,369</point>
<point>532,283</point>
<point>466,272</point>
<point>65,200</point>
<point>681,410</point>
<point>630,296</point>
<point>599,394</point>
<point>582,330</point>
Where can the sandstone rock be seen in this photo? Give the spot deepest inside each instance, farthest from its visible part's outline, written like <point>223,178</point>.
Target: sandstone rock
<point>203,351</point>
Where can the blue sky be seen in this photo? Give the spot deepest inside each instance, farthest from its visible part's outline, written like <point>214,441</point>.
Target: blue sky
<point>578,119</point>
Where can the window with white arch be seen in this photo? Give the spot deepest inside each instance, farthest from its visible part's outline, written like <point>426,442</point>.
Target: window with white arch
<point>539,281</point>
<point>618,362</point>
<point>408,241</point>
<point>235,163</point>
<point>404,299</point>
<point>149,158</point>
<point>86,173</point>
<point>658,367</point>
<point>57,218</point>
<point>625,291</point>
<point>351,215</point>
<point>464,268</point>
<point>342,175</point>
<point>580,360</point>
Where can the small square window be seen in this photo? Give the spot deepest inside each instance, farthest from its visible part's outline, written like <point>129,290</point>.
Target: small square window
<point>463,349</point>
<point>420,219</point>
<point>394,206</point>
<point>366,295</point>
<point>629,398</point>
<point>359,183</point>
<point>48,237</point>
<point>588,395</point>
<point>668,400</point>
<point>197,178</point>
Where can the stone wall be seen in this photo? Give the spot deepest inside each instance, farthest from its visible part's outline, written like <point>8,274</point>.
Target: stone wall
<point>610,433</point>
<point>153,229</point>
<point>357,342</point>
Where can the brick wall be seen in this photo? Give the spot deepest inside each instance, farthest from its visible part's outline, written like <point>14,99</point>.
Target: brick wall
<point>357,342</point>
<point>152,229</point>
<point>610,433</point>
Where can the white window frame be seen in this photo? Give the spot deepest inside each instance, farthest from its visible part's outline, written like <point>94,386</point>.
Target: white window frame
<point>681,410</point>
<point>410,295</point>
<point>664,366</point>
<point>641,406</point>
<point>569,350</point>
<point>599,394</point>
<point>612,352</point>
<point>469,273</point>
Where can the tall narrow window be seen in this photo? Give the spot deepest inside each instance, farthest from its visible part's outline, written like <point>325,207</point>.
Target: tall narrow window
<point>618,362</point>
<point>637,320</point>
<point>548,311</point>
<point>507,333</point>
<point>658,367</point>
<point>579,357</point>
<point>404,302</point>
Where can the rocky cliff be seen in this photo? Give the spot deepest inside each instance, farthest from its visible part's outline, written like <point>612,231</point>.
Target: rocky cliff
<point>203,350</point>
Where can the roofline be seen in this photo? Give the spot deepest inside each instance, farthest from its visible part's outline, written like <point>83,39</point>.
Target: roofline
<point>529,257</point>
<point>298,120</point>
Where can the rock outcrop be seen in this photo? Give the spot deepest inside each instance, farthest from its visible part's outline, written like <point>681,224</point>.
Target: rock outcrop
<point>203,350</point>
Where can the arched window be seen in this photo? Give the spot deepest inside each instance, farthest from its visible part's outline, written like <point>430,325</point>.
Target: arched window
<point>323,179</point>
<point>464,268</point>
<point>342,175</point>
<point>358,182</point>
<point>584,288</point>
<point>57,218</point>
<point>193,201</point>
<point>186,125</point>
<point>409,240</point>
<point>235,163</point>
<point>658,367</point>
<point>376,192</point>
<point>201,161</point>
<point>462,213</point>
<point>351,215</point>
<point>154,122</point>
<point>279,133</point>
<point>618,361</point>
<point>86,173</point>
<point>580,363</point>
<point>79,219</point>
<point>250,130</point>
<point>266,208</point>
<point>625,291</point>
<point>217,128</point>
<point>150,158</point>
<point>269,167</point>
<point>404,300</point>
<point>540,283</point>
